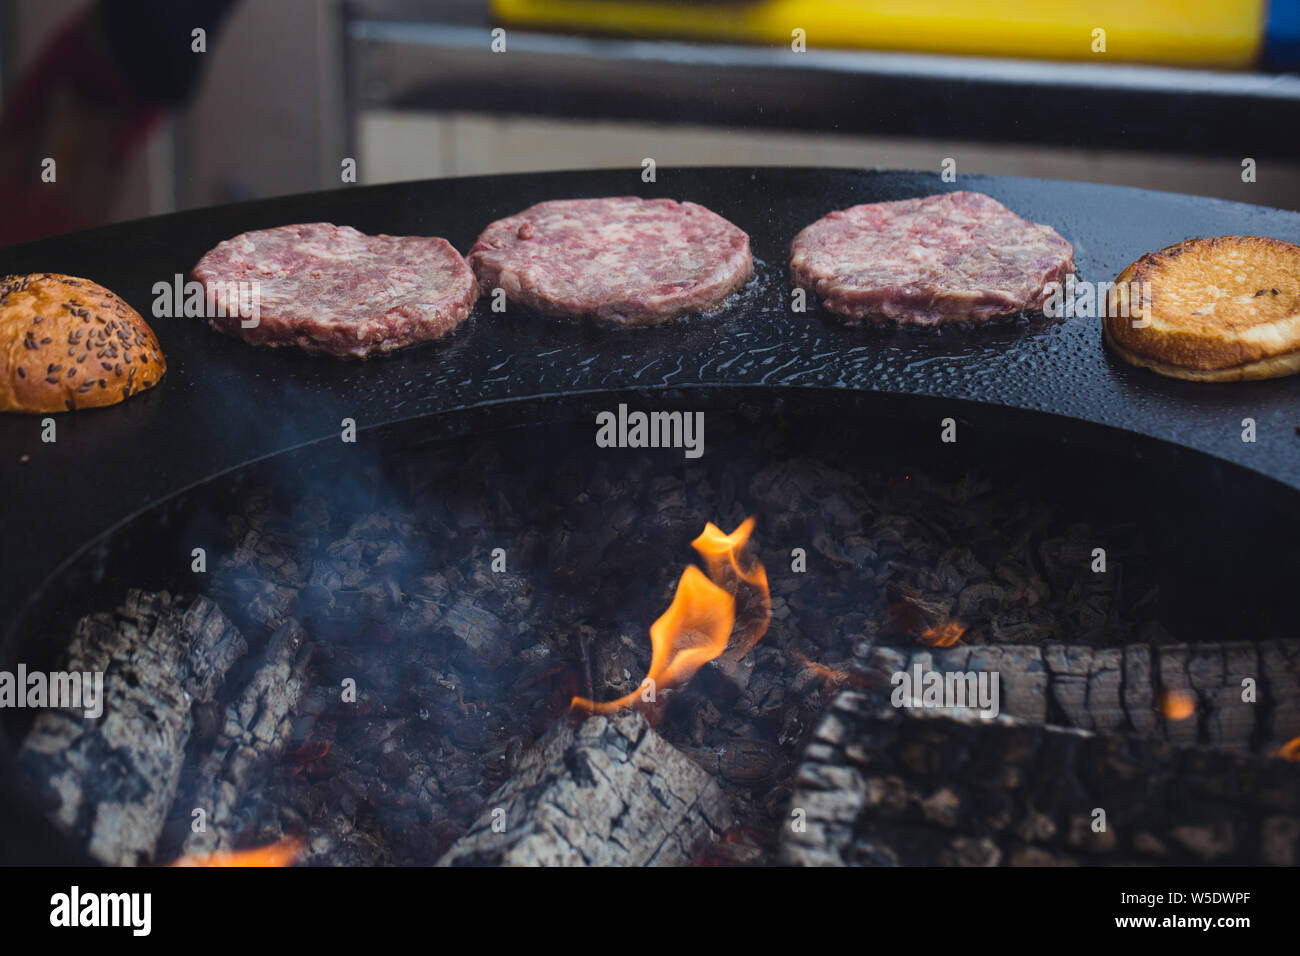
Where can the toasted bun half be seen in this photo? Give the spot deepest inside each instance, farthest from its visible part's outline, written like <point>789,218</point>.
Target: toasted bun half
<point>68,343</point>
<point>1217,310</point>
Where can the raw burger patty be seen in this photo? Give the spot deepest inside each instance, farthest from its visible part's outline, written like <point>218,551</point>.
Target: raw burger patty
<point>955,257</point>
<point>626,261</point>
<point>333,289</point>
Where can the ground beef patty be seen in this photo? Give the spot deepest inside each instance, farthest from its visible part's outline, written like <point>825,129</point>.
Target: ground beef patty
<point>955,257</point>
<point>333,289</point>
<point>626,261</point>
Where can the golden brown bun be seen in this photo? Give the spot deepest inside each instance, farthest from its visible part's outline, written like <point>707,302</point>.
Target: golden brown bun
<point>1222,309</point>
<point>68,343</point>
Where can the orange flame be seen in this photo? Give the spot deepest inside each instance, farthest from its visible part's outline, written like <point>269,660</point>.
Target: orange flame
<point>945,635</point>
<point>1177,704</point>
<point>281,853</point>
<point>1290,750</point>
<point>697,627</point>
<point>730,566</point>
<point>692,632</point>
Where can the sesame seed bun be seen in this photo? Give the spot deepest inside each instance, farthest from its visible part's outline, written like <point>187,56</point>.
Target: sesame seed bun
<point>1221,309</point>
<point>68,343</point>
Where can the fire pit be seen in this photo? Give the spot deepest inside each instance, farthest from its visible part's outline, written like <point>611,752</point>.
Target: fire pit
<point>384,655</point>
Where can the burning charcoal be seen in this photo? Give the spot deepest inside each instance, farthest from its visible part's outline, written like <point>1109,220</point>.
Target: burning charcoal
<point>750,763</point>
<point>978,602</point>
<point>906,786</point>
<point>394,765</point>
<point>470,732</point>
<point>611,793</point>
<point>1116,689</point>
<point>216,644</point>
<point>912,612</point>
<point>345,557</point>
<point>763,698</point>
<point>957,566</point>
<point>852,550</point>
<point>459,668</point>
<point>483,637</point>
<point>668,491</point>
<point>1025,626</point>
<point>1023,585</point>
<point>1067,560</point>
<point>311,518</point>
<point>805,486</point>
<point>114,777</point>
<point>322,582</point>
<point>257,727</point>
<point>379,599</point>
<point>260,601</point>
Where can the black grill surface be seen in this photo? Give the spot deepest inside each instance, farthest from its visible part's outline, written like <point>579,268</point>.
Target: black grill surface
<point>223,403</point>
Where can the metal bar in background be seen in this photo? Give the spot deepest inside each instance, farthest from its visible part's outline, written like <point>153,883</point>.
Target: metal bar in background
<point>1081,105</point>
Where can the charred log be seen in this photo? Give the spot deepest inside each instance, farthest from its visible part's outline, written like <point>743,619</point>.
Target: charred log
<point>611,793</point>
<point>913,787</point>
<point>110,781</point>
<point>1121,689</point>
<point>257,725</point>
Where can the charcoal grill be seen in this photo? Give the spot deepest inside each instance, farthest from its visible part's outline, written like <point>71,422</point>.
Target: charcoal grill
<point>122,471</point>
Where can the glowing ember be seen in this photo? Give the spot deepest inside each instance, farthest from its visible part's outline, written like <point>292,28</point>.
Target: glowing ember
<point>310,752</point>
<point>281,853</point>
<point>945,635</point>
<point>1290,750</point>
<point>833,676</point>
<point>1177,704</point>
<point>698,625</point>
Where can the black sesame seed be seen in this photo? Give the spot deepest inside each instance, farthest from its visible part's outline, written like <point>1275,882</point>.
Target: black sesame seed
<point>21,373</point>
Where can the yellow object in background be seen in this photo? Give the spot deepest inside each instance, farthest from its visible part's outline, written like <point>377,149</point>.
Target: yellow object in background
<point>1187,32</point>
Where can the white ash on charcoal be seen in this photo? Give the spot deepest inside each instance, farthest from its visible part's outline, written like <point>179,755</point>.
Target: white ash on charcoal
<point>1124,689</point>
<point>888,787</point>
<point>610,793</point>
<point>432,730</point>
<point>256,727</point>
<point>109,781</point>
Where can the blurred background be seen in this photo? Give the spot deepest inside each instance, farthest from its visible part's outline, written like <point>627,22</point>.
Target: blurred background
<point>141,115</point>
